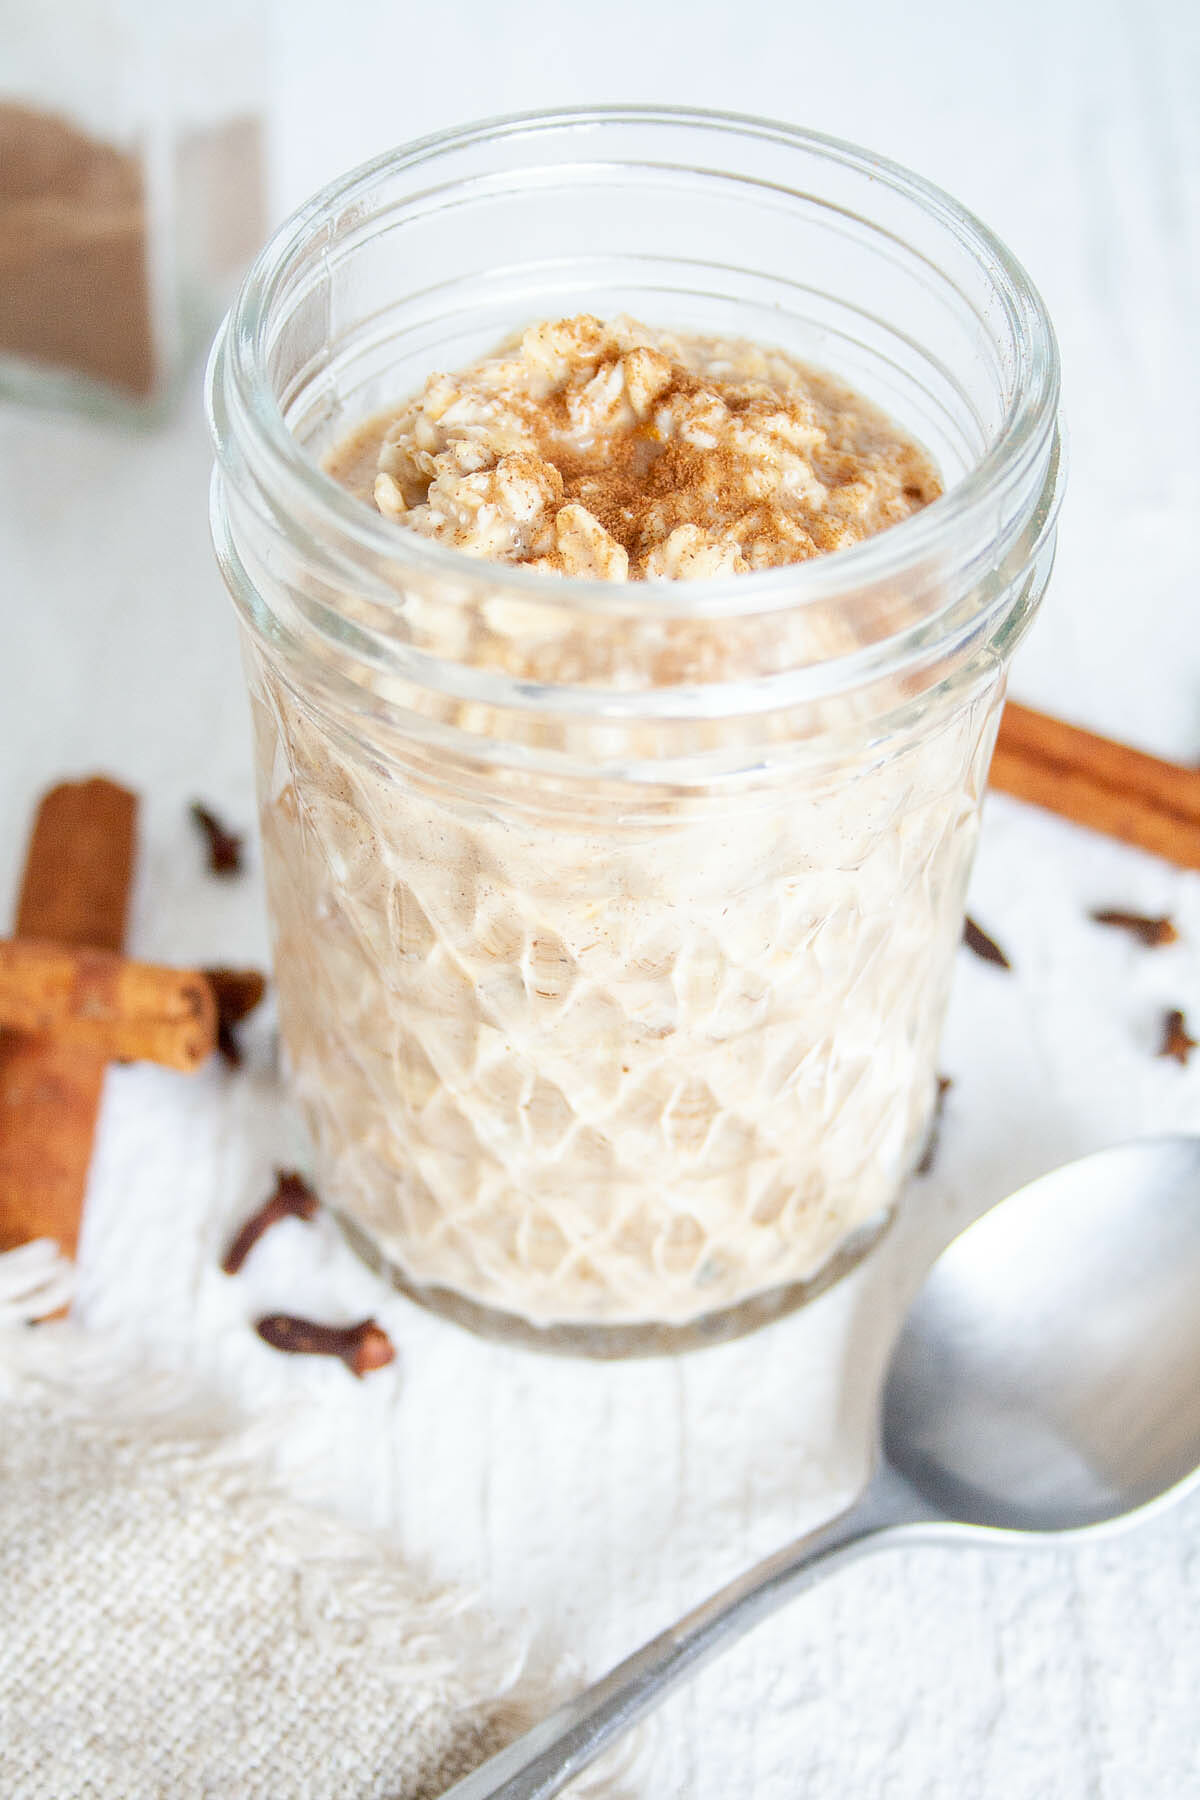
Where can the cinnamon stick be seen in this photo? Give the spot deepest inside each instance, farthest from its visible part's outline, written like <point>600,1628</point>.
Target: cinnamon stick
<point>117,1009</point>
<point>1099,783</point>
<point>75,890</point>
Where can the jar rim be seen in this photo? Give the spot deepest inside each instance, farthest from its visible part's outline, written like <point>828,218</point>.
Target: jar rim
<point>238,374</point>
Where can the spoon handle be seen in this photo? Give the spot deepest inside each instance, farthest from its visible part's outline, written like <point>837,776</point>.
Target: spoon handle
<point>540,1762</point>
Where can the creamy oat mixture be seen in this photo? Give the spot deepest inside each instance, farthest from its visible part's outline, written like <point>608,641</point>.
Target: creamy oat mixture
<point>596,1072</point>
<point>612,451</point>
<point>590,1051</point>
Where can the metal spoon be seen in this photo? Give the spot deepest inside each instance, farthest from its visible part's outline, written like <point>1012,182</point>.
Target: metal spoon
<point>1046,1380</point>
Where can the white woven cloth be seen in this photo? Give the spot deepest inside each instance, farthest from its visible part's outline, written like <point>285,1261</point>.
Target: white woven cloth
<point>172,1625</point>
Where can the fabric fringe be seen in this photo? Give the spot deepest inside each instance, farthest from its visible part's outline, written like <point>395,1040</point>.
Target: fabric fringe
<point>36,1280</point>
<point>350,1584</point>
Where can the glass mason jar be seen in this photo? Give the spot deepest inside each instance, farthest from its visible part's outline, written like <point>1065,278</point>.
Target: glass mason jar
<point>614,924</point>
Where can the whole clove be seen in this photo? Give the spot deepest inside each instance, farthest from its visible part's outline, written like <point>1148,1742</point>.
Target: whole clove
<point>361,1347</point>
<point>237,992</point>
<point>1153,933</point>
<point>976,939</point>
<point>224,846</point>
<point>1176,1042</point>
<point>292,1198</point>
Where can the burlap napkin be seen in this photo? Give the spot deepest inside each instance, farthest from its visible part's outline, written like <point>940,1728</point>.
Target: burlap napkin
<point>172,1625</point>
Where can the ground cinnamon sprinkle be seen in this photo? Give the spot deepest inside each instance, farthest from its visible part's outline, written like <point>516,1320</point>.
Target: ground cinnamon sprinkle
<point>627,479</point>
<point>641,487</point>
<point>618,452</point>
<point>644,488</point>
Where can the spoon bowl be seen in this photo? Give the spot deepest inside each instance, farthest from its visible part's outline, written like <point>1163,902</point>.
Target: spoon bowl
<point>1046,1379</point>
<point>1047,1376</point>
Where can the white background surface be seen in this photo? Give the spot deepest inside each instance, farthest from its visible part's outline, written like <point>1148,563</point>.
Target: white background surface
<point>595,1503</point>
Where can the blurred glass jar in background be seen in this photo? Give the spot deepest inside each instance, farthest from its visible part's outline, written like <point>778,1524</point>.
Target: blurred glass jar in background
<point>133,190</point>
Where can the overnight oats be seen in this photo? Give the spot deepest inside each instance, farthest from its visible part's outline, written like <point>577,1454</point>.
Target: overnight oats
<point>617,452</point>
<point>623,699</point>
